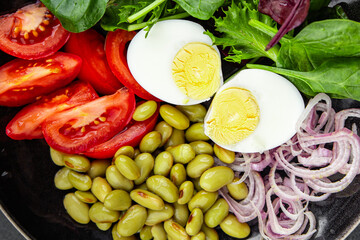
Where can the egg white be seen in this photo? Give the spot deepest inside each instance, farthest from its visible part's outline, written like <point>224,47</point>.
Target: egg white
<point>150,57</point>
<point>280,105</point>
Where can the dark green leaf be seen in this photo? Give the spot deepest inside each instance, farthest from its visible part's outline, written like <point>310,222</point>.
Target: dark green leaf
<point>201,9</point>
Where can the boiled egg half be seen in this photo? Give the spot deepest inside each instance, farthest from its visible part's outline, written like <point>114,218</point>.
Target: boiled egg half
<point>256,110</point>
<point>176,62</point>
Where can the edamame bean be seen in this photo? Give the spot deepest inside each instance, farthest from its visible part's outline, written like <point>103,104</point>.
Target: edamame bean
<point>132,221</point>
<point>125,150</point>
<point>100,188</point>
<point>117,200</point>
<point>157,216</point>
<point>174,117</point>
<point>78,210</point>
<point>142,186</point>
<point>210,233</point>
<point>163,163</point>
<point>103,226</point>
<point>177,137</point>
<point>117,180</point>
<point>158,232</point>
<point>98,168</point>
<point>163,187</point>
<point>199,165</point>
<point>178,174</point>
<point>216,177</point>
<point>98,213</point>
<point>186,192</point>
<point>144,110</point>
<point>147,199</point>
<point>194,222</point>
<point>238,191</point>
<point>116,235</point>
<point>145,233</point>
<point>86,197</point>
<point>145,162</point>
<point>203,200</point>
<point>199,236</point>
<point>150,142</point>
<point>165,130</point>
<point>196,133</point>
<point>80,181</point>
<point>216,213</point>
<point>175,230</point>
<point>232,227</point>
<point>127,167</point>
<point>182,153</point>
<point>57,157</point>
<point>181,213</point>
<point>76,162</point>
<point>201,147</point>
<point>224,155</point>
<point>195,113</point>
<point>61,179</point>
<point>136,152</point>
<point>196,182</point>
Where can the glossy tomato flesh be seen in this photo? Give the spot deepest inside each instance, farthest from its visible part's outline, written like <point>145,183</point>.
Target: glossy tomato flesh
<point>31,33</point>
<point>89,45</point>
<point>23,81</point>
<point>130,136</point>
<point>115,47</point>
<point>77,129</point>
<point>26,124</point>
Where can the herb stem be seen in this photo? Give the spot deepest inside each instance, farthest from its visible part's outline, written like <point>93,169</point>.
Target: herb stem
<point>144,11</point>
<point>267,30</point>
<point>177,16</point>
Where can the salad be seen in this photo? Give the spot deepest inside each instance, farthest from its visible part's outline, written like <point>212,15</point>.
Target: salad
<point>125,81</point>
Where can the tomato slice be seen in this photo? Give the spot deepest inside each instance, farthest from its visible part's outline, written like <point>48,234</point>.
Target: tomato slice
<point>89,45</point>
<point>77,129</point>
<point>130,136</point>
<point>115,52</point>
<point>31,33</point>
<point>22,81</point>
<point>26,124</point>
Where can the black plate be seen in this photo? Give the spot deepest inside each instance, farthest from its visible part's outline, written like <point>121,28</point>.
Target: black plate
<point>28,195</point>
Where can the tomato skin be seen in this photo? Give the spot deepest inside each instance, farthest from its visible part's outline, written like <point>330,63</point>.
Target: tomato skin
<point>26,124</point>
<point>131,136</point>
<point>23,81</point>
<point>89,45</point>
<point>50,38</point>
<point>77,129</point>
<point>115,52</point>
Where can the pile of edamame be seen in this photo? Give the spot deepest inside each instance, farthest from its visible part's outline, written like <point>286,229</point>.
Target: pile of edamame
<point>166,188</point>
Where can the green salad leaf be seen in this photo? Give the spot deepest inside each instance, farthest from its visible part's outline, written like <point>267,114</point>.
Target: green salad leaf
<point>201,9</point>
<point>77,15</point>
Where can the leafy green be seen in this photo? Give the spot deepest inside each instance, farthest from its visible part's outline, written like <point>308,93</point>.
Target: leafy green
<point>338,77</point>
<point>201,9</point>
<point>245,41</point>
<point>77,15</point>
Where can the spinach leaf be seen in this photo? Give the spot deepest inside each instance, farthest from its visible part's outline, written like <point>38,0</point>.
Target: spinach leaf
<point>201,9</point>
<point>77,15</point>
<point>337,77</point>
<point>246,42</point>
<point>318,42</point>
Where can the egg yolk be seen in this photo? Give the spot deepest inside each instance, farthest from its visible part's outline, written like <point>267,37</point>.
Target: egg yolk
<point>234,116</point>
<point>196,70</point>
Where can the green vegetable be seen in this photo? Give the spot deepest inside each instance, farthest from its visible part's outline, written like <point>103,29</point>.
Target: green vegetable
<point>245,41</point>
<point>338,77</point>
<point>201,9</point>
<point>77,15</point>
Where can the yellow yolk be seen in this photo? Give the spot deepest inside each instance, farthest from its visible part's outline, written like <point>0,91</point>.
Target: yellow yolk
<point>196,70</point>
<point>234,116</point>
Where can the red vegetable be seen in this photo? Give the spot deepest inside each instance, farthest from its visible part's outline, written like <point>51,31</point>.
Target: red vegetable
<point>115,53</point>
<point>131,136</point>
<point>31,33</point>
<point>77,129</point>
<point>22,81</point>
<point>89,45</point>
<point>27,123</point>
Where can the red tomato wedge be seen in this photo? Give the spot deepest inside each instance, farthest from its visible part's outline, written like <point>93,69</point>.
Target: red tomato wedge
<point>130,136</point>
<point>26,124</point>
<point>77,129</point>
<point>89,45</point>
<point>115,52</point>
<point>22,81</point>
<point>31,33</point>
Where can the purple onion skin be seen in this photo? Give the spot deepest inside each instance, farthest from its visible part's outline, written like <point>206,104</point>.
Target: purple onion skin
<point>289,13</point>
